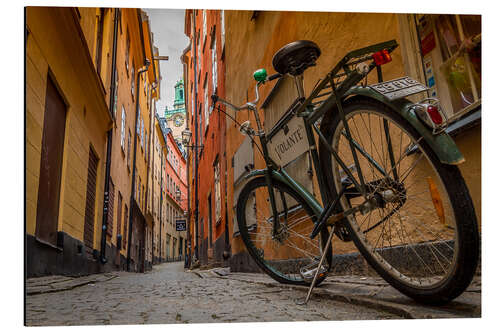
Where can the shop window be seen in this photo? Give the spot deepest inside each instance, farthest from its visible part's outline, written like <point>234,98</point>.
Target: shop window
<point>450,46</point>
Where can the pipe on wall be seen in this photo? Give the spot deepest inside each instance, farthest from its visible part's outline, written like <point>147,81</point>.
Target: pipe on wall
<point>109,141</point>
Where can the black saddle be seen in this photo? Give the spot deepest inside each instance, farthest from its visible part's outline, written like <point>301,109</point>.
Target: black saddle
<point>294,58</point>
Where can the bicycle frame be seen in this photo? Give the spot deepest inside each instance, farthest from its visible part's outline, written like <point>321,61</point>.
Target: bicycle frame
<point>337,91</point>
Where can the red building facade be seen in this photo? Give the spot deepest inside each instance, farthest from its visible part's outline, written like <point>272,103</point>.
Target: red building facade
<point>204,72</point>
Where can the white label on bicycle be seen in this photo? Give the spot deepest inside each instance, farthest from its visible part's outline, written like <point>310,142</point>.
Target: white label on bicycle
<point>289,143</point>
<point>399,88</point>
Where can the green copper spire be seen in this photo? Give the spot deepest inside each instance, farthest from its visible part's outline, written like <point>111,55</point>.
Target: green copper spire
<point>179,95</point>
<point>179,100</point>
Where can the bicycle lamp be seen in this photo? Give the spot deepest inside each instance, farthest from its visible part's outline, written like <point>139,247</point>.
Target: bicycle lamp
<point>430,113</point>
<point>381,57</point>
<point>260,75</point>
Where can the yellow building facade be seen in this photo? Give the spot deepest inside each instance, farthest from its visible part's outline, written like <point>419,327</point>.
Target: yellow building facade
<point>73,113</point>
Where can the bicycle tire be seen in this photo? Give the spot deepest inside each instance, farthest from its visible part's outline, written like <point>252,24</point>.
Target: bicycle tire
<point>281,261</point>
<point>458,272</point>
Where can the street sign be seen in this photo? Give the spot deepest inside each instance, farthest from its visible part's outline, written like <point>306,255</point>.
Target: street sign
<point>180,225</point>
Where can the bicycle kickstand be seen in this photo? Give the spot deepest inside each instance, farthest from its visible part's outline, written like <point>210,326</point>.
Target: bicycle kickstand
<point>325,251</point>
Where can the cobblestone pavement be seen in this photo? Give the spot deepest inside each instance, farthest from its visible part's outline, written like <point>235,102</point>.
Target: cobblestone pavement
<point>169,295</point>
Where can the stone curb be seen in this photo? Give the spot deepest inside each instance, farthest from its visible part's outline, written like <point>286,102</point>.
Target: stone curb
<point>65,283</point>
<point>408,311</point>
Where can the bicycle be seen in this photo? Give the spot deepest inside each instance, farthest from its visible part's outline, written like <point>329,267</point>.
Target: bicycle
<point>386,171</point>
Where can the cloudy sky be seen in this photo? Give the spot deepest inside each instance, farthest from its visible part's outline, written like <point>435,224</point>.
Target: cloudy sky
<point>167,26</point>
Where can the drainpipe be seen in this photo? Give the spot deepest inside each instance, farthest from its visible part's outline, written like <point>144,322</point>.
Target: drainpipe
<point>110,141</point>
<point>196,143</point>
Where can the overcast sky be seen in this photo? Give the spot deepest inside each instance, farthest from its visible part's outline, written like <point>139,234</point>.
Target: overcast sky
<point>167,26</point>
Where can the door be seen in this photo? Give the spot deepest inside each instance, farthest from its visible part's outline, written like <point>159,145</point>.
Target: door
<point>50,165</point>
<point>88,230</point>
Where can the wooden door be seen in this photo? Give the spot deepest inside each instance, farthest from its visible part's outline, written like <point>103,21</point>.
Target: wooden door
<point>49,185</point>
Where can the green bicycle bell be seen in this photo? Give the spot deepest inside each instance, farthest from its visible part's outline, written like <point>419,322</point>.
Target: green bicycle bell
<point>260,75</point>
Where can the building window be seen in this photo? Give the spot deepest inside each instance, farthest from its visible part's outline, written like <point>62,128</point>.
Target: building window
<point>128,148</point>
<point>132,85</point>
<point>214,67</point>
<point>142,133</point>
<point>127,52</point>
<point>115,104</point>
<point>146,145</point>
<point>122,139</point>
<point>205,105</point>
<point>204,24</point>
<point>217,192</point>
<point>222,29</point>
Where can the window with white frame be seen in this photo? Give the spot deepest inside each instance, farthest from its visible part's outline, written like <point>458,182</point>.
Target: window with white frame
<point>217,192</point>
<point>115,103</point>
<point>205,104</point>
<point>142,133</point>
<point>222,29</point>
<point>132,85</point>
<point>214,67</point>
<point>122,139</point>
<point>204,24</point>
<point>192,105</point>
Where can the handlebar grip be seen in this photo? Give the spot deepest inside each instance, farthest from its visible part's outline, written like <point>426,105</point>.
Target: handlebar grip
<point>274,77</point>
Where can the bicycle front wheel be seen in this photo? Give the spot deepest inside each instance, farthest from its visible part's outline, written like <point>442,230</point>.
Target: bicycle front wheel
<point>419,230</point>
<point>283,255</point>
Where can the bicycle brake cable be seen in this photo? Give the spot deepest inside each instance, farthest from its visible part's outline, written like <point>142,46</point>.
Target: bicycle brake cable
<point>253,141</point>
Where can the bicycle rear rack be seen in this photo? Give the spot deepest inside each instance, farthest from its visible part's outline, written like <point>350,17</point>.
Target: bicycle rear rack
<point>344,75</point>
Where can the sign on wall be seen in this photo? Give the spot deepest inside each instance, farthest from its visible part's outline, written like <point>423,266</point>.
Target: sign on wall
<point>180,225</point>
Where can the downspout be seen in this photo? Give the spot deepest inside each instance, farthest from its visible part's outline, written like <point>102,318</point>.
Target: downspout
<point>132,191</point>
<point>188,217</point>
<point>196,142</point>
<point>110,141</point>
<point>153,87</point>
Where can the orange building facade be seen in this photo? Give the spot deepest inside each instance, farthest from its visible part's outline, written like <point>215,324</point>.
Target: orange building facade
<point>204,72</point>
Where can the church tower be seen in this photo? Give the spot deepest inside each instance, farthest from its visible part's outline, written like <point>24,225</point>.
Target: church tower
<point>176,117</point>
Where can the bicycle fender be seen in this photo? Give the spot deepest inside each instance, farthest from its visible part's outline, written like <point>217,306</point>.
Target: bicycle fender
<point>442,144</point>
<point>283,177</point>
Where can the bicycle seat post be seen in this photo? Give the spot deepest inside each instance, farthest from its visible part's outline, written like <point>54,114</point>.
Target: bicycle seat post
<point>299,84</point>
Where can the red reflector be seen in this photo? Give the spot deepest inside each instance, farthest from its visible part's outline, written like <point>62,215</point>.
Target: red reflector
<point>433,112</point>
<point>381,57</point>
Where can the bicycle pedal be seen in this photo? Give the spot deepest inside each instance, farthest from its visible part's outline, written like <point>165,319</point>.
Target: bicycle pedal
<point>308,272</point>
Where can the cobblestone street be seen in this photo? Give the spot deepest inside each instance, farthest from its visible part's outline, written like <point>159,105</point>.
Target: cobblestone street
<point>170,295</point>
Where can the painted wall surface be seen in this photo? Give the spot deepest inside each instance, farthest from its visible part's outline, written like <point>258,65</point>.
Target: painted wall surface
<point>176,178</point>
<point>62,43</point>
<point>211,126</point>
<point>123,127</point>
<point>51,35</point>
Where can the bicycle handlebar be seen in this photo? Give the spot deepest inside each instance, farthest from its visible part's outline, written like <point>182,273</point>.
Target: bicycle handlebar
<point>248,105</point>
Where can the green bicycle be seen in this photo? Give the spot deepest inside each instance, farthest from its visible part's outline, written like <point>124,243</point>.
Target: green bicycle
<point>386,172</point>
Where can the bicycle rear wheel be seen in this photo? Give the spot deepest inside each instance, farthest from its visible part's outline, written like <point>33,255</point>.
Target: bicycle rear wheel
<point>419,232</point>
<point>283,256</point>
